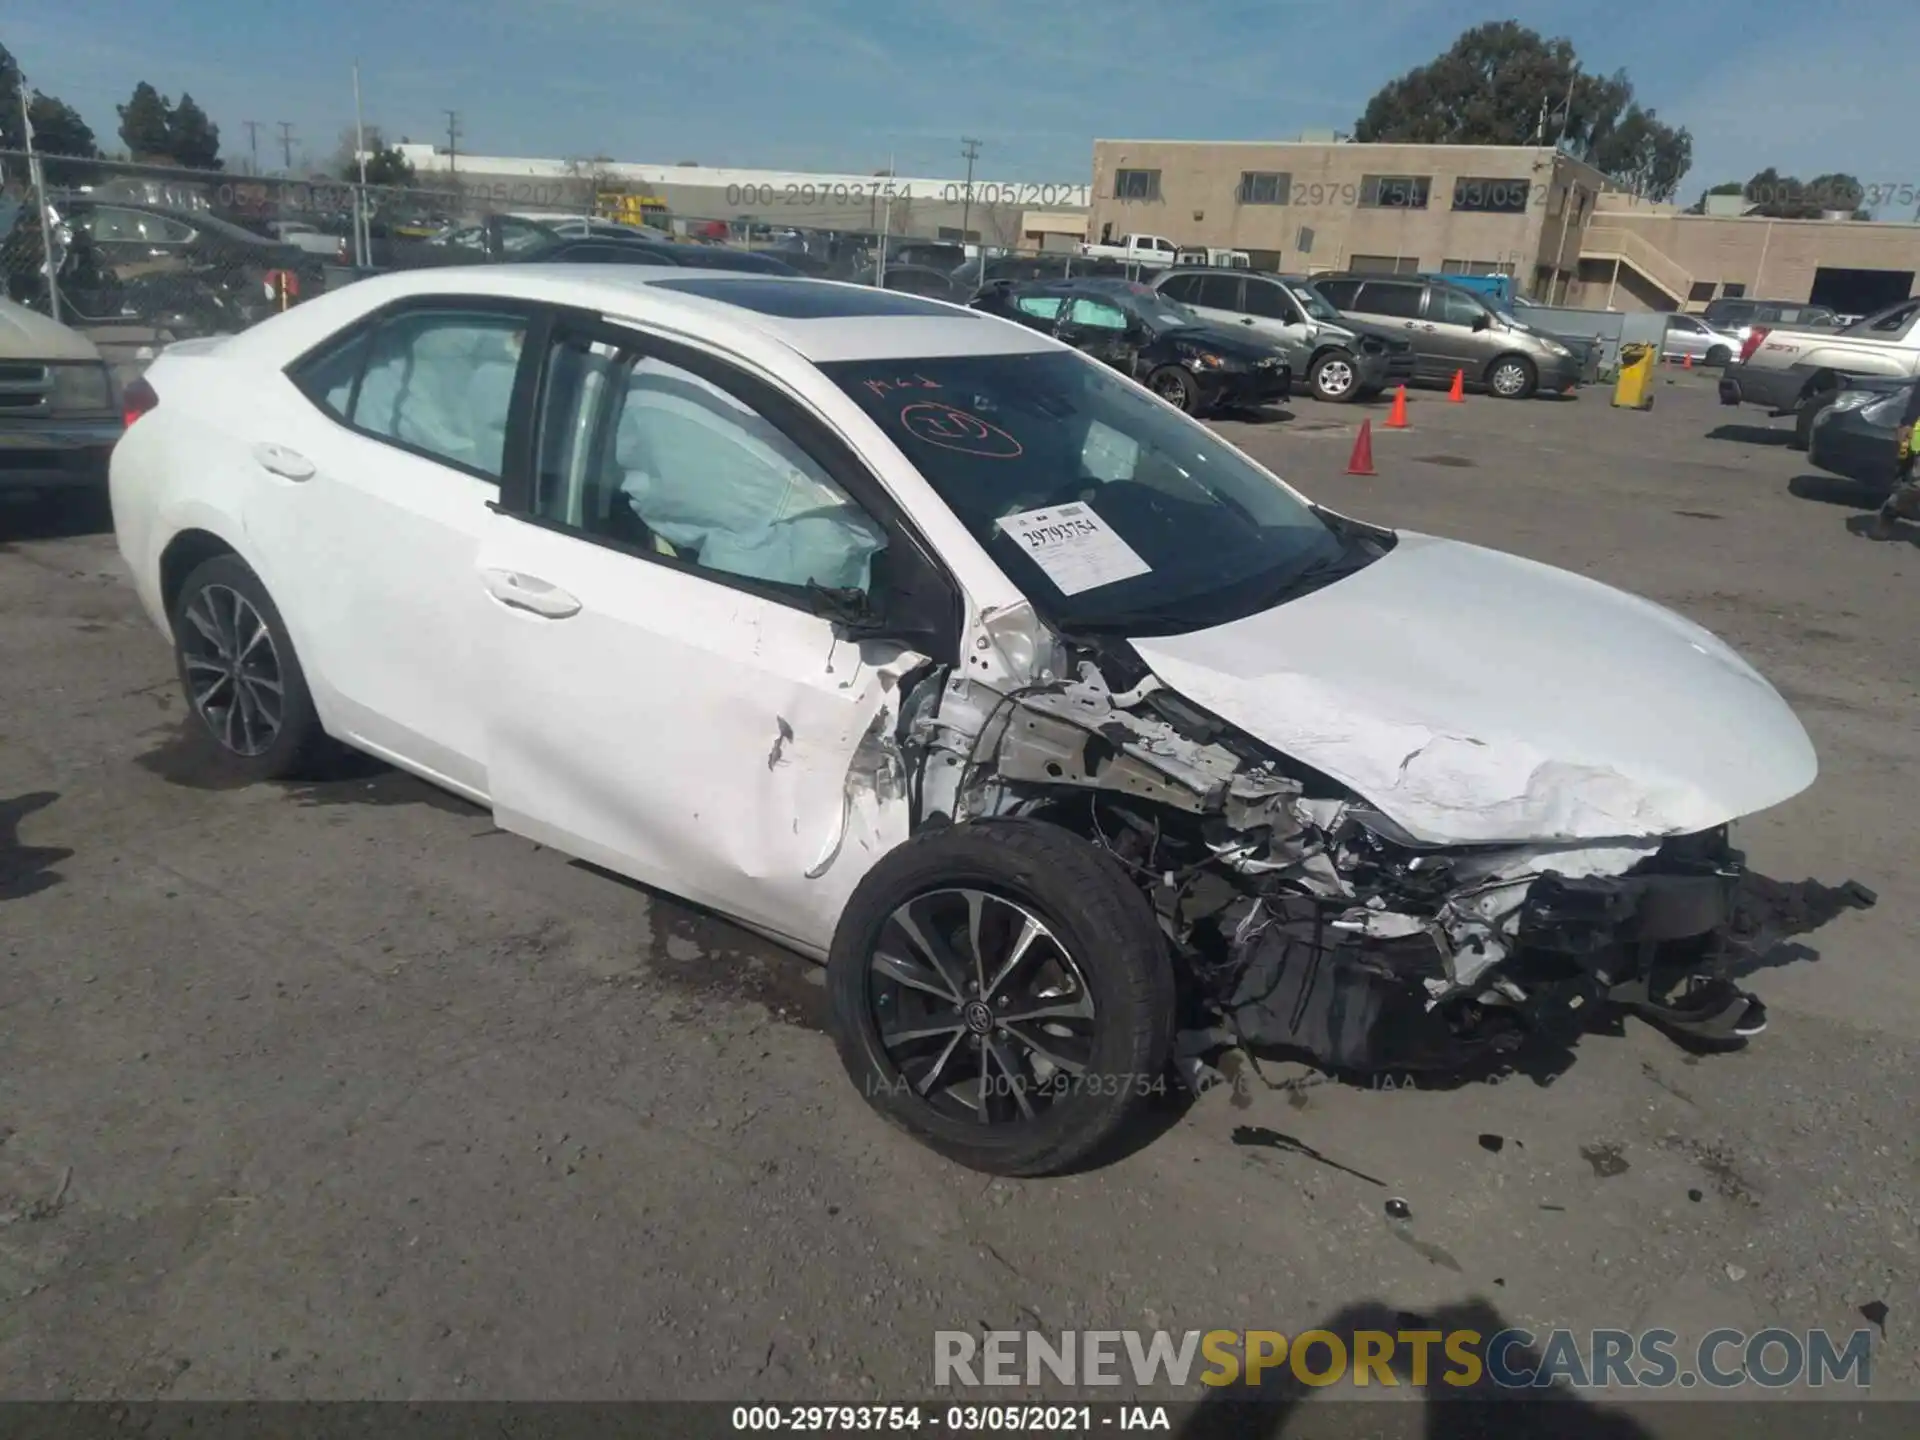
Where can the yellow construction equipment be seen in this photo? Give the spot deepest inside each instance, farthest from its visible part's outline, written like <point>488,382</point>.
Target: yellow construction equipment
<point>627,207</point>
<point>1634,388</point>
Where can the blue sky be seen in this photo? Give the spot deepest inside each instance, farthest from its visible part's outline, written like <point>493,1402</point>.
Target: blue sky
<point>838,85</point>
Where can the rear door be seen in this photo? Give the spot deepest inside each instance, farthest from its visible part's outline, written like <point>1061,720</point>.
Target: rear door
<point>1216,298</point>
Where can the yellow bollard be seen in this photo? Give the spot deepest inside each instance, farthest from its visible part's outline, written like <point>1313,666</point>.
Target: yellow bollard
<point>1633,390</point>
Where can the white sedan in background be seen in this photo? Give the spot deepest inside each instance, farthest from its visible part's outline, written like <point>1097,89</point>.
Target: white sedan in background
<point>1077,743</point>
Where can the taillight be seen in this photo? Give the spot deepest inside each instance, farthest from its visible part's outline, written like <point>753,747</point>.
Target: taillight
<point>136,400</point>
<point>1752,344</point>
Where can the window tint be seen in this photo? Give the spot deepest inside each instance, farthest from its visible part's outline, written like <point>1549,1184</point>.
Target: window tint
<point>442,382</point>
<point>1219,292</point>
<point>1895,319</point>
<point>1341,294</point>
<point>1378,297</point>
<point>328,379</point>
<point>1448,307</point>
<point>641,451</point>
<point>1269,301</point>
<point>110,223</point>
<point>1184,288</point>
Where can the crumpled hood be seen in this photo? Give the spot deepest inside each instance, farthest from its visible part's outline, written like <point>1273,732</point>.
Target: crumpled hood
<point>1476,697</point>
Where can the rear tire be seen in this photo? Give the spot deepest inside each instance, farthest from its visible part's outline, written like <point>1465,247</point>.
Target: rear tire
<point>1176,387</point>
<point>243,682</point>
<point>1060,933</point>
<point>1719,355</point>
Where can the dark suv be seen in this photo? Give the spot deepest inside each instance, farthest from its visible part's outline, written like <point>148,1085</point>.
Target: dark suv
<point>1454,330</point>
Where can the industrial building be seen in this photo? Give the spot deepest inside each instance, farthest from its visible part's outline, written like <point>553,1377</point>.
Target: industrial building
<point>984,210</point>
<point>1556,224</point>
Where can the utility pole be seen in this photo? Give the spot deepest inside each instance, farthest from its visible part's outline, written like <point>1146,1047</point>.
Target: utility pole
<point>286,143</point>
<point>971,149</point>
<point>453,137</point>
<point>253,143</point>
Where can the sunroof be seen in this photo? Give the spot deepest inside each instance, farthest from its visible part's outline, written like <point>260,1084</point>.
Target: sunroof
<point>806,299</point>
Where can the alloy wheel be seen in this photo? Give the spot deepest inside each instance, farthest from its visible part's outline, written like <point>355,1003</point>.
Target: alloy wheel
<point>232,670</point>
<point>979,1007</point>
<point>1509,379</point>
<point>1168,387</point>
<point>1336,377</point>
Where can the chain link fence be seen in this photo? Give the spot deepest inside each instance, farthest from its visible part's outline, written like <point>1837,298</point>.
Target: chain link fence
<point>138,256</point>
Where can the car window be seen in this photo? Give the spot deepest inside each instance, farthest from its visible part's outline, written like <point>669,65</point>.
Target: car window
<point>1166,526</point>
<point>1184,288</point>
<point>110,223</point>
<point>1041,307</point>
<point>1340,293</point>
<point>1219,292</point>
<point>1380,298</point>
<point>1686,323</point>
<point>1270,302</point>
<point>1096,314</point>
<point>1449,307</point>
<point>1893,321</point>
<point>442,381</point>
<point>634,449</point>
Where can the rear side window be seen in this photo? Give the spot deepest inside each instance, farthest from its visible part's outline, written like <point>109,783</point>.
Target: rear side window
<point>1340,293</point>
<point>1380,298</point>
<point>436,381</point>
<point>1097,315</point>
<point>1219,292</point>
<point>1184,288</point>
<point>1041,307</point>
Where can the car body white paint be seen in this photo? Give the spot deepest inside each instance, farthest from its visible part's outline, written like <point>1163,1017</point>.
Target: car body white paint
<point>730,749</point>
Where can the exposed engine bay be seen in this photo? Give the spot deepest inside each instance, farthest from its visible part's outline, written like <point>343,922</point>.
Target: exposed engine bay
<point>1304,921</point>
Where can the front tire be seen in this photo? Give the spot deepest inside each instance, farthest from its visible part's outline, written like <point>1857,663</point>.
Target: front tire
<point>1512,377</point>
<point>1335,379</point>
<point>1176,387</point>
<point>1000,990</point>
<point>242,680</point>
<point>1719,355</point>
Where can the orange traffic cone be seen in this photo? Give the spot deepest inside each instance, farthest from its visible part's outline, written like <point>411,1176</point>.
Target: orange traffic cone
<point>1397,417</point>
<point>1361,461</point>
<point>1458,394</point>
<point>1687,364</point>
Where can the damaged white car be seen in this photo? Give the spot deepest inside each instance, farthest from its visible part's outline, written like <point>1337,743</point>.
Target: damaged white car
<point>1079,745</point>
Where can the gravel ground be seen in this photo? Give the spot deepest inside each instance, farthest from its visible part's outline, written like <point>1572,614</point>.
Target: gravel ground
<point>334,1090</point>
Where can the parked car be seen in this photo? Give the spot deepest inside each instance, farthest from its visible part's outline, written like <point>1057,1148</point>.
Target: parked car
<point>1192,365</point>
<point>136,240</point>
<point>1337,359</point>
<point>1738,315</point>
<point>1798,373</point>
<point>58,419</point>
<point>1689,338</point>
<point>1857,434</point>
<point>303,235</point>
<point>1061,729</point>
<point>1048,266</point>
<point>1212,257</point>
<point>1154,252</point>
<point>1452,330</point>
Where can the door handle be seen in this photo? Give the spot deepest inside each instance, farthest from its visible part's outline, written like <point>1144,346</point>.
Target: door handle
<point>279,460</point>
<point>526,592</point>
<point>1247,321</point>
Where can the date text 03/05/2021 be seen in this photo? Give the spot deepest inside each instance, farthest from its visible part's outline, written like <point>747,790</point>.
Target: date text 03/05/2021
<point>953,1419</point>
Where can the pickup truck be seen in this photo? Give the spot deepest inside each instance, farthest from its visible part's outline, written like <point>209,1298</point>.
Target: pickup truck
<point>1799,372</point>
<point>1154,251</point>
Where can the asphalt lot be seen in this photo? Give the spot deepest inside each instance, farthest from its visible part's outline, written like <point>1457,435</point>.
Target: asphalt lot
<point>333,1090</point>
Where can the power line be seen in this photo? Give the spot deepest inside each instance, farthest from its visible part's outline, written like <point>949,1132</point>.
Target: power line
<point>286,142</point>
<point>253,142</point>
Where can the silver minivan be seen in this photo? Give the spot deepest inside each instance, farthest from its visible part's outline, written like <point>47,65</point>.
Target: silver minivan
<point>1454,332</point>
<point>1338,359</point>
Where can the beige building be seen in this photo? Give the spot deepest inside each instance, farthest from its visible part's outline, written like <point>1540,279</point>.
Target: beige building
<point>1531,212</point>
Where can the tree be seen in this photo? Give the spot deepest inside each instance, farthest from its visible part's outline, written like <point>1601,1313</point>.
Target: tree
<point>146,124</point>
<point>57,127</point>
<point>1502,84</point>
<point>192,139</point>
<point>387,166</point>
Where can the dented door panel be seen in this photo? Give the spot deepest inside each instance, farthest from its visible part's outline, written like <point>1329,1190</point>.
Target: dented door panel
<point>693,736</point>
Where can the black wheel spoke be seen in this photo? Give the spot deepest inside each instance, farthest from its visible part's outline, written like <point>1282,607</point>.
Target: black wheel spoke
<point>1046,1047</point>
<point>232,669</point>
<point>1016,1082</point>
<point>908,971</point>
<point>926,1081</point>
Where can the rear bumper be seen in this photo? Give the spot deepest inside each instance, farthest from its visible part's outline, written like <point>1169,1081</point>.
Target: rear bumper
<point>1777,390</point>
<point>57,455</point>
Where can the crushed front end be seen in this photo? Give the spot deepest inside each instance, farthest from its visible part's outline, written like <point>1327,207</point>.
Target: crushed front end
<point>1305,921</point>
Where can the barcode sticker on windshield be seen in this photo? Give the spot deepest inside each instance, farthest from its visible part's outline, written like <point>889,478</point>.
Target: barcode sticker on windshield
<point>1074,547</point>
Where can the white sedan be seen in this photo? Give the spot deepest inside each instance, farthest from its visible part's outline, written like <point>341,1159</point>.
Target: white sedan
<point>1074,741</point>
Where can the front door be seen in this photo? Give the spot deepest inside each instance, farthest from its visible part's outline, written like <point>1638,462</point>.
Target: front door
<point>1277,318</point>
<point>1451,338</point>
<point>664,699</point>
<point>367,508</point>
<point>1397,304</point>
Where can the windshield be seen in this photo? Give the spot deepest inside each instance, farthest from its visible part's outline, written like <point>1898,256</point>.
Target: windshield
<point>1314,303</point>
<point>1107,508</point>
<point>1159,312</point>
